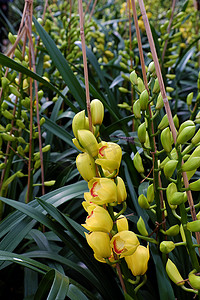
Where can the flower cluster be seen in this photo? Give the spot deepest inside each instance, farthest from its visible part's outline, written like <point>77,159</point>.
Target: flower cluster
<point>99,164</point>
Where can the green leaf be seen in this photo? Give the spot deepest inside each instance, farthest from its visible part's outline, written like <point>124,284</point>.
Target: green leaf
<point>164,286</point>
<point>10,63</point>
<point>54,285</point>
<point>75,294</point>
<point>62,65</point>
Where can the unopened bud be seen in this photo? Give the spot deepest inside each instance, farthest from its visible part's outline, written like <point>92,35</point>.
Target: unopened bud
<point>97,112</point>
<point>156,87</point>
<point>170,167</point>
<point>133,78</point>
<point>142,201</point>
<point>186,134</point>
<point>194,281</point>
<point>150,193</point>
<point>173,273</point>
<point>142,133</point>
<point>167,246</point>
<point>137,161</point>
<point>141,227</point>
<point>137,109</point>
<point>189,98</point>
<point>166,140</point>
<point>144,97</point>
<point>194,226</point>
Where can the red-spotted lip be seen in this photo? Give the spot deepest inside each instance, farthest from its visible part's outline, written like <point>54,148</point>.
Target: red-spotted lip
<point>90,215</point>
<point>117,251</point>
<point>101,149</point>
<point>92,190</point>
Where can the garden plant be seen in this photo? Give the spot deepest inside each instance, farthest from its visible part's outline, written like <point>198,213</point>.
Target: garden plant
<point>100,151</point>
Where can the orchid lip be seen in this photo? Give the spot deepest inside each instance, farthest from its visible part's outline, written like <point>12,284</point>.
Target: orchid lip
<point>115,248</point>
<point>92,190</point>
<point>101,149</point>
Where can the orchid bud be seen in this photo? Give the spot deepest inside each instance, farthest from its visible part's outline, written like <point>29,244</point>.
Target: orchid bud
<point>88,142</point>
<point>144,98</point>
<point>166,140</point>
<point>133,78</point>
<point>121,190</point>
<point>194,226</point>
<point>173,230</point>
<point>171,189</point>
<point>98,219</point>
<point>142,133</point>
<point>150,193</point>
<point>185,125</point>
<point>78,122</point>
<point>159,103</point>
<point>142,201</point>
<point>173,273</point>
<point>140,84</point>
<point>86,166</point>
<point>138,261</point>
<point>196,139</point>
<point>167,246</point>
<point>163,123</point>
<point>170,167</point>
<point>124,243</point>
<point>191,164</point>
<point>122,223</point>
<point>194,281</point>
<point>137,109</point>
<point>141,227</point>
<point>195,186</point>
<point>137,161</point>
<point>156,87</point>
<point>102,191</point>
<point>177,198</point>
<point>189,98</point>
<point>100,244</point>
<point>97,112</point>
<point>185,135</point>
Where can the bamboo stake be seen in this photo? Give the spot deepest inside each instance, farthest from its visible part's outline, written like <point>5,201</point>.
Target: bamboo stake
<point>80,5</point>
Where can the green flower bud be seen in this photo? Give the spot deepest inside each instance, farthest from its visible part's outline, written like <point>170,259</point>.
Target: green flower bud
<point>20,124</point>
<point>173,230</point>
<point>140,84</point>
<point>18,54</point>
<point>133,78</point>
<point>97,112</point>
<point>88,142</point>
<point>137,161</point>
<point>4,82</point>
<point>142,133</point>
<point>173,273</point>
<point>8,115</point>
<point>191,164</point>
<point>198,216</point>
<point>177,198</point>
<point>137,109</point>
<point>24,115</point>
<point>21,140</point>
<point>42,121</point>
<point>20,150</point>
<point>166,140</point>
<point>196,139</point>
<point>2,166</point>
<point>8,137</point>
<point>176,121</point>
<point>142,201</point>
<point>78,122</point>
<point>171,76</point>
<point>171,189</point>
<point>186,134</point>
<point>159,103</point>
<point>186,124</point>
<point>11,38</point>
<point>49,183</point>
<point>151,67</point>
<point>194,226</point>
<point>150,193</point>
<point>141,227</point>
<point>163,123</point>
<point>195,186</point>
<point>46,148</point>
<point>189,98</point>
<point>194,281</point>
<point>13,90</point>
<point>37,164</point>
<point>123,90</point>
<point>156,87</point>
<point>144,97</point>
<point>170,167</point>
<point>166,246</point>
